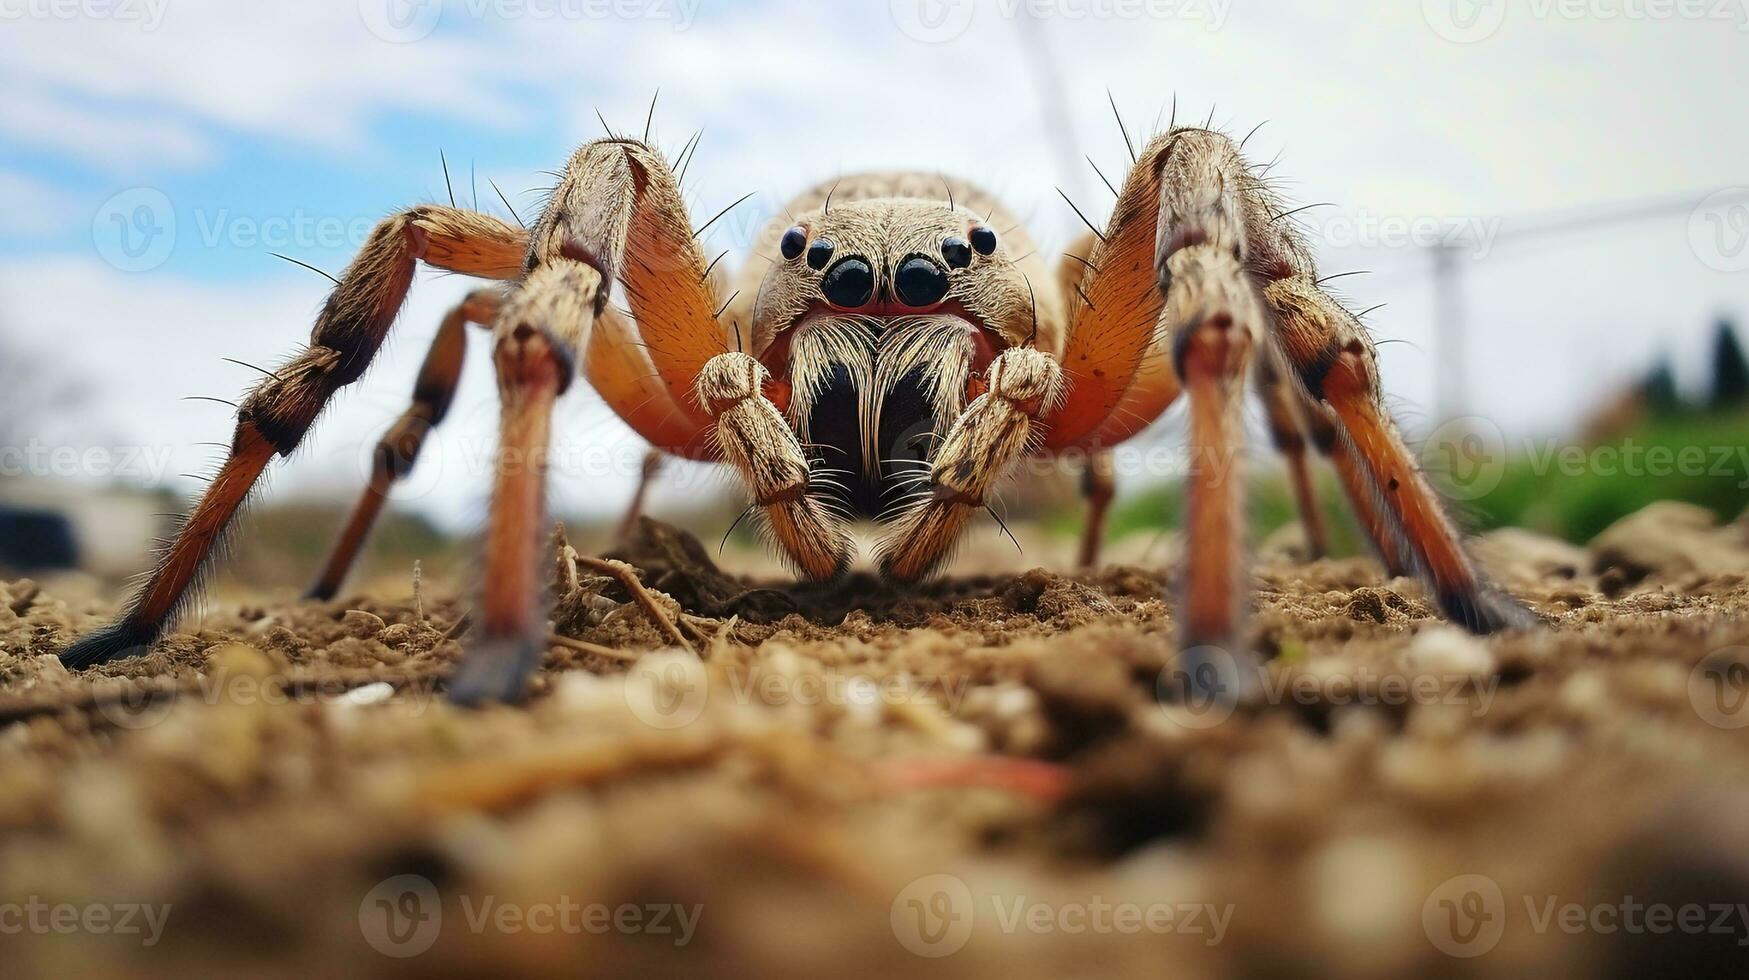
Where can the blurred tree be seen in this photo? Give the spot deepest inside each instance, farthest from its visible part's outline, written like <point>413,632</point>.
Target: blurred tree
<point>32,394</point>
<point>1730,369</point>
<point>1658,389</point>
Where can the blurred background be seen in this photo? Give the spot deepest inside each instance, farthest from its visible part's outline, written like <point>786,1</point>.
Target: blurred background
<point>1549,201</point>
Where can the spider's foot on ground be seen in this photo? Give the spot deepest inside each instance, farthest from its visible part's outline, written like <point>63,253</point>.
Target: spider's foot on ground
<point>496,670</point>
<point>1488,610</point>
<point>117,641</point>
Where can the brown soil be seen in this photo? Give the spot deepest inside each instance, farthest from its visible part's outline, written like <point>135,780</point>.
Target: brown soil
<point>985,776</point>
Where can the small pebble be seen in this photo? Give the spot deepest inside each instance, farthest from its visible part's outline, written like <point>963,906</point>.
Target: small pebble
<point>1450,652</point>
<point>375,693</point>
<point>361,624</point>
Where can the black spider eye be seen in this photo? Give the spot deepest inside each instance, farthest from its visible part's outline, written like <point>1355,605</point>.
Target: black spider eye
<point>957,253</point>
<point>984,240</point>
<point>819,253</point>
<point>793,242</point>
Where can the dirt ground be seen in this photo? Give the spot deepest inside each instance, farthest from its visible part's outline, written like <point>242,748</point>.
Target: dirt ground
<point>989,775</point>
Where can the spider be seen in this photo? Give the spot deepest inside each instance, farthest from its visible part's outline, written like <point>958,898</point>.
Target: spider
<point>897,348</point>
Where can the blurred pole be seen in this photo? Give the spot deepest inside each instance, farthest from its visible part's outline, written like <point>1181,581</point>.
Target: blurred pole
<point>1059,125</point>
<point>1450,358</point>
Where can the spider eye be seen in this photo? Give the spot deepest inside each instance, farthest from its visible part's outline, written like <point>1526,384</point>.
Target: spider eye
<point>984,240</point>
<point>957,253</point>
<point>819,253</point>
<point>793,242</point>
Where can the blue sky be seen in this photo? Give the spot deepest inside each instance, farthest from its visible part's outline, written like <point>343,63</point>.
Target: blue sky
<point>290,127</point>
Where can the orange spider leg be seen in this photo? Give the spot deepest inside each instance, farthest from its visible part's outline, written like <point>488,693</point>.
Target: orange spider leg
<point>1336,362</point>
<point>399,448</point>
<point>275,416</point>
<point>1288,432</point>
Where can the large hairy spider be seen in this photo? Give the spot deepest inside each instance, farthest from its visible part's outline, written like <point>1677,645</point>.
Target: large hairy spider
<point>906,341</point>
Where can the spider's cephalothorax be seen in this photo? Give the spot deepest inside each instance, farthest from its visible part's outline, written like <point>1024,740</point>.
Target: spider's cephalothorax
<point>883,315</point>
<point>894,350</point>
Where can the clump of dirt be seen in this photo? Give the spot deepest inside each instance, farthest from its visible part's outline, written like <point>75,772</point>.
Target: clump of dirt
<point>981,774</point>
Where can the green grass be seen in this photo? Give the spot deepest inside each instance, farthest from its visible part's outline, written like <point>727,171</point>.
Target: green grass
<point>1694,457</point>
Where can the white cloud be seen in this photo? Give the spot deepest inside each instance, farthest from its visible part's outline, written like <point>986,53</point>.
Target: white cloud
<point>34,206</point>
<point>303,72</point>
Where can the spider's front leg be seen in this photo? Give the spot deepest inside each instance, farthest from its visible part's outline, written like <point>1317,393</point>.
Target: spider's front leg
<point>983,444</point>
<point>539,336</point>
<point>616,215</point>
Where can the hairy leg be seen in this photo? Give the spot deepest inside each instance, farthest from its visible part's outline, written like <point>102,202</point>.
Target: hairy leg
<point>1098,486</point>
<point>646,475</point>
<point>615,215</point>
<point>1287,432</point>
<point>1380,528</point>
<point>274,417</point>
<point>399,448</point>
<point>1337,363</point>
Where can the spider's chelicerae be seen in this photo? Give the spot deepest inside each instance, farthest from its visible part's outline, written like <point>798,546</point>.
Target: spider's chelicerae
<point>896,349</point>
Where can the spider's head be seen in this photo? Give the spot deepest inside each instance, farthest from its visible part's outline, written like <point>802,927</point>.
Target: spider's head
<point>889,258</point>
<point>882,314</point>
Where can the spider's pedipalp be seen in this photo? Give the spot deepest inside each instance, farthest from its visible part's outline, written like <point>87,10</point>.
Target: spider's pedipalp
<point>981,447</point>
<point>757,441</point>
